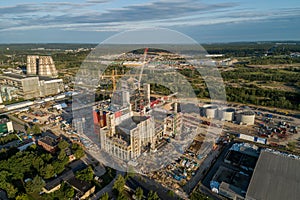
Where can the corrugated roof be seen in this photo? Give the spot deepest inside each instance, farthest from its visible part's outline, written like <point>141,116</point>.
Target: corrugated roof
<point>276,177</point>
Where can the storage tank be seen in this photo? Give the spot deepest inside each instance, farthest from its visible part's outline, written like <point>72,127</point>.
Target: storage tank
<point>246,117</point>
<point>227,114</point>
<point>210,111</point>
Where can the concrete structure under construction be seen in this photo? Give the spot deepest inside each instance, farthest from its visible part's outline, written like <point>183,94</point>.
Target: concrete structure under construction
<point>246,117</point>
<point>41,66</point>
<point>126,134</point>
<point>28,87</point>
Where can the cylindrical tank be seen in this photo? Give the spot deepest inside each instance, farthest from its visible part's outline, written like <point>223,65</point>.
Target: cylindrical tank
<point>210,111</point>
<point>227,114</point>
<point>246,117</point>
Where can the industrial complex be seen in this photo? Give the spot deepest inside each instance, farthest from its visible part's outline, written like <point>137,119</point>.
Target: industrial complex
<point>79,140</point>
<point>38,82</point>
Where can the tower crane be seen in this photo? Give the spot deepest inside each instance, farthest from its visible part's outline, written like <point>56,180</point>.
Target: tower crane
<point>114,76</point>
<point>142,68</point>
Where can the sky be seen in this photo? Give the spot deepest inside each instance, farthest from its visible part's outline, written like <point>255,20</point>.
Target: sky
<point>92,21</point>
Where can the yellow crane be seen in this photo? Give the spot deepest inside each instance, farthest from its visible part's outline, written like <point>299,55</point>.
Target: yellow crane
<point>114,76</point>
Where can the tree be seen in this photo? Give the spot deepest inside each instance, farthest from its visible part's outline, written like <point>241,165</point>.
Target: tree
<point>58,167</point>
<point>119,184</point>
<point>46,157</point>
<point>28,130</point>
<point>79,153</point>
<point>9,188</point>
<point>35,186</point>
<point>47,171</point>
<point>36,129</point>
<point>121,196</point>
<point>139,193</point>
<point>63,144</point>
<point>152,196</point>
<point>69,192</point>
<point>130,173</point>
<point>22,197</point>
<point>171,193</point>
<point>104,196</point>
<point>86,174</point>
<point>199,196</point>
<point>62,154</point>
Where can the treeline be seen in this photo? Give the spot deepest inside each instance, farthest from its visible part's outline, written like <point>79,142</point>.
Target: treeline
<point>259,74</point>
<point>264,97</point>
<point>70,59</point>
<point>245,49</point>
<point>266,60</point>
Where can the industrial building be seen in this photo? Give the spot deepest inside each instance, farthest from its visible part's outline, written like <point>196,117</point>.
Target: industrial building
<point>129,127</point>
<point>41,66</point>
<point>127,139</point>
<point>233,177</point>
<point>246,117</point>
<point>226,114</point>
<point>230,183</point>
<point>276,177</point>
<point>17,86</point>
<point>6,126</point>
<point>210,111</point>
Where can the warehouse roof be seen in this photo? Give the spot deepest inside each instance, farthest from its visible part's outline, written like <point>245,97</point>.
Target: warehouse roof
<point>276,176</point>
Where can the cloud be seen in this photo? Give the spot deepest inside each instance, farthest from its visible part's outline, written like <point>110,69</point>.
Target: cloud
<point>88,16</point>
<point>18,9</point>
<point>98,1</point>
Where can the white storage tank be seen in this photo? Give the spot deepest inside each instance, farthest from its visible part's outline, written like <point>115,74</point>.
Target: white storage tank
<point>210,111</point>
<point>246,117</point>
<point>227,114</point>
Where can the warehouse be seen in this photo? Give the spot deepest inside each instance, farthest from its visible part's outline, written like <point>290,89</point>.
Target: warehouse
<point>276,177</point>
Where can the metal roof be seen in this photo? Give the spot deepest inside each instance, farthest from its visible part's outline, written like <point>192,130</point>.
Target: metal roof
<point>276,177</point>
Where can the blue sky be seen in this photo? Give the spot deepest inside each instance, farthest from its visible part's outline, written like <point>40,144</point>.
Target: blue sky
<point>92,21</point>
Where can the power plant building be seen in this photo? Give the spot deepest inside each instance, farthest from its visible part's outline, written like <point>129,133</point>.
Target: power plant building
<point>126,134</point>
<point>28,87</point>
<point>41,66</point>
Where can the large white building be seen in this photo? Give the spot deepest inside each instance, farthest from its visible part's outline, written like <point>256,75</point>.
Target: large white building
<point>28,87</point>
